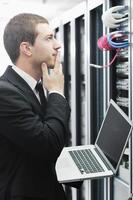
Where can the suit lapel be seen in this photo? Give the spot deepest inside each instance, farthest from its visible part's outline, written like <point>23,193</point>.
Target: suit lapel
<point>25,89</point>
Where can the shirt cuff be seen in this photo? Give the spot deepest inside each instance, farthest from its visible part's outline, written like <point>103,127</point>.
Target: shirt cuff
<point>54,91</point>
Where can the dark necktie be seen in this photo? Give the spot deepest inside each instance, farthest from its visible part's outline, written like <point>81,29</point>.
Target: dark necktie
<point>39,89</point>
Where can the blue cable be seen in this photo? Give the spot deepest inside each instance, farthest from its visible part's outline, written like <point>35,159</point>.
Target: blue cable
<point>121,44</point>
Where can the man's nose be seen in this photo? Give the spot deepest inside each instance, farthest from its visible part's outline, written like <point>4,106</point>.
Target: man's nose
<point>57,44</point>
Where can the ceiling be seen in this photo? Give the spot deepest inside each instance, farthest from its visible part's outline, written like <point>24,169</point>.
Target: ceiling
<point>48,8</point>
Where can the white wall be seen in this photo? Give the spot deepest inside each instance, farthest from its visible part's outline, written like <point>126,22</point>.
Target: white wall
<point>4,59</point>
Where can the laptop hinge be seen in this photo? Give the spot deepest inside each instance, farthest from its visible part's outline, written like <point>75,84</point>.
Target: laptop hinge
<point>104,158</point>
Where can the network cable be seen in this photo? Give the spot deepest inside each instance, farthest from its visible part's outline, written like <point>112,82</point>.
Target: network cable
<point>114,16</point>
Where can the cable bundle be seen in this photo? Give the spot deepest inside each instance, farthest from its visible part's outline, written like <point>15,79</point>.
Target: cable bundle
<point>114,16</point>
<point>113,41</point>
<point>103,43</point>
<point>118,39</point>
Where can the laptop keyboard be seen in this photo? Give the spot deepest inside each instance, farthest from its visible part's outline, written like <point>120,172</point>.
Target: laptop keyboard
<point>86,161</point>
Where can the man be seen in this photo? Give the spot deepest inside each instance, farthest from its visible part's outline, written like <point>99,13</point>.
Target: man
<point>32,131</point>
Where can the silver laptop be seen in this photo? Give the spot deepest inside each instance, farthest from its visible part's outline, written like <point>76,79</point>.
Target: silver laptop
<point>99,160</point>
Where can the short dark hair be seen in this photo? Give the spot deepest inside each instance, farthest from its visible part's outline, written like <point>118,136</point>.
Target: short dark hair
<point>21,28</point>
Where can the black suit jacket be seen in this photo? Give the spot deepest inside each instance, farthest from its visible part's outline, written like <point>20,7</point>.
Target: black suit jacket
<point>30,140</point>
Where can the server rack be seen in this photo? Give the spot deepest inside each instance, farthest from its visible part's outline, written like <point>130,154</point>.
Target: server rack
<point>73,47</point>
<point>89,90</point>
<point>118,85</point>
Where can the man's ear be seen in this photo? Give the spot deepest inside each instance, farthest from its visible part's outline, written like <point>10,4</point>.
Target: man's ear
<point>25,48</point>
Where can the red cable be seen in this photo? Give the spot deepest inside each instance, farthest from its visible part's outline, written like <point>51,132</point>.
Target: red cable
<point>111,62</point>
<point>104,45</point>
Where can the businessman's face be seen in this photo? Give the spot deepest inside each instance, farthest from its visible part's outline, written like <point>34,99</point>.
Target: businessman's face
<point>45,47</point>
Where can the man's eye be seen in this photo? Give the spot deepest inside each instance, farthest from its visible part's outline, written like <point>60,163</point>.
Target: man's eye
<point>50,38</point>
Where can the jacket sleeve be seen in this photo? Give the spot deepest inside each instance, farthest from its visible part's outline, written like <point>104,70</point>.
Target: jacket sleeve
<point>24,128</point>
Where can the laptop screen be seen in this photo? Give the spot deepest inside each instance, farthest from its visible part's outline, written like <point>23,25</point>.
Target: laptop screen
<point>113,134</point>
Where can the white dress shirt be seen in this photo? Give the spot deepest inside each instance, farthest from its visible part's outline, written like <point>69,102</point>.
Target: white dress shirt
<point>31,81</point>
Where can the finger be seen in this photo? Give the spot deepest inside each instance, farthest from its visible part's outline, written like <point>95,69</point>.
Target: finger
<point>44,70</point>
<point>61,68</point>
<point>57,61</point>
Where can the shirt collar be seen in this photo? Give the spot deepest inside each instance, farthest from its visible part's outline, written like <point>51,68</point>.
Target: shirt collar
<point>29,79</point>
